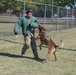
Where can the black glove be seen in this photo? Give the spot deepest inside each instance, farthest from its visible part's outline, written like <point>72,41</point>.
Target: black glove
<point>15,33</point>
<point>29,25</point>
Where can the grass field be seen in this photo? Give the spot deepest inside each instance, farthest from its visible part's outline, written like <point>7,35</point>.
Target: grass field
<point>7,29</point>
<point>11,63</point>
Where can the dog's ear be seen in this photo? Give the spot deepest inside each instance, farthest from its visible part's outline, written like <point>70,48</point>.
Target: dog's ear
<point>42,28</point>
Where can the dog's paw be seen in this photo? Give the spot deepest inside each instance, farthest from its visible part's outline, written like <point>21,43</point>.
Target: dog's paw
<point>40,48</point>
<point>44,62</point>
<point>56,59</point>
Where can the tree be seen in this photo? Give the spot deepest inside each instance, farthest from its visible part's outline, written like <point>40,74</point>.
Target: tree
<point>10,4</point>
<point>64,3</point>
<point>17,6</point>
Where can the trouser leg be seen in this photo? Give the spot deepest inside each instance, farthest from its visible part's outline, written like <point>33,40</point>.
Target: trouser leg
<point>27,41</point>
<point>34,47</point>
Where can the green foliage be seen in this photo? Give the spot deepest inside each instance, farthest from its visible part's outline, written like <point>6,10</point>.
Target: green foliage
<point>9,4</point>
<point>64,3</point>
<point>18,6</point>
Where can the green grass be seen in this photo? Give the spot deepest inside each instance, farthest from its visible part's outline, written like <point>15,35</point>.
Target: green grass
<point>11,63</point>
<point>8,19</point>
<point>7,29</point>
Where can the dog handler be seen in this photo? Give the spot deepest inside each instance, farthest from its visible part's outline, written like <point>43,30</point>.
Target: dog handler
<point>28,24</point>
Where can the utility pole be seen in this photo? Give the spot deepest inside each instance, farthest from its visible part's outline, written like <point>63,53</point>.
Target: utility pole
<point>52,8</point>
<point>24,9</point>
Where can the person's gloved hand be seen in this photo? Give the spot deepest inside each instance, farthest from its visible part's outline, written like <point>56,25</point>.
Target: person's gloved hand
<point>29,25</point>
<point>16,34</point>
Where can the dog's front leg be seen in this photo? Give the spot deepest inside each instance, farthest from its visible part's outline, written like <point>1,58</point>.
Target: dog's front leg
<point>40,46</point>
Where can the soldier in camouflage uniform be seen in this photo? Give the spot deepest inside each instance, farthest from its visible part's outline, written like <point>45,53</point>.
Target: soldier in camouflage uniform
<point>28,24</point>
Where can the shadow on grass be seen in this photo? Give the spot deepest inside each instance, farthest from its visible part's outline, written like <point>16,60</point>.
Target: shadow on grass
<point>11,41</point>
<point>37,45</point>
<point>61,48</point>
<point>68,49</point>
<point>19,56</point>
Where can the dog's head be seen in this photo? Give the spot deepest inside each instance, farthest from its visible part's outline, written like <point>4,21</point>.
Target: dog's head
<point>42,34</point>
<point>42,29</point>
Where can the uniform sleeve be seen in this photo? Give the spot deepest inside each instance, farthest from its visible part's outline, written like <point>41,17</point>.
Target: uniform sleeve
<point>35,23</point>
<point>17,26</point>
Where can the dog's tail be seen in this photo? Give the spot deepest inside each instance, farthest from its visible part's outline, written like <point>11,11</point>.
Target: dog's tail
<point>60,44</point>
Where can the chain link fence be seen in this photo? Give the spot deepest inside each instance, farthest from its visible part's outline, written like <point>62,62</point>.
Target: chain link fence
<point>54,18</point>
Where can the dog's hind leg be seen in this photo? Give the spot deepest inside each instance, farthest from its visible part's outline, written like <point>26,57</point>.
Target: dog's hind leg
<point>48,56</point>
<point>55,55</point>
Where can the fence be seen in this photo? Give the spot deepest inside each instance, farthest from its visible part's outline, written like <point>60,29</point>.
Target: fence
<point>54,18</point>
